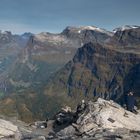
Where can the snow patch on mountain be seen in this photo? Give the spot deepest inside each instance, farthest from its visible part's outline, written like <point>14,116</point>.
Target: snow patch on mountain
<point>93,28</point>
<point>126,27</point>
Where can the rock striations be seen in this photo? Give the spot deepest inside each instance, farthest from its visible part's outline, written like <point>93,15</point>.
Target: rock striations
<point>103,120</point>
<point>98,71</point>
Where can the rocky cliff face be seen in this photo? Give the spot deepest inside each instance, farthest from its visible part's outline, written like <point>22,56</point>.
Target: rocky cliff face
<point>98,71</point>
<point>10,47</point>
<point>127,36</point>
<point>106,70</point>
<point>46,53</point>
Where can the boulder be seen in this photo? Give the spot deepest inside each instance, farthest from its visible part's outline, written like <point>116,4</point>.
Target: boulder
<point>68,132</point>
<point>65,117</point>
<point>41,124</point>
<point>8,130</point>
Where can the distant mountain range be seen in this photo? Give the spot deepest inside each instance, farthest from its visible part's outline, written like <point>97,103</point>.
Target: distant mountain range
<point>45,53</point>
<point>42,72</point>
<point>10,47</point>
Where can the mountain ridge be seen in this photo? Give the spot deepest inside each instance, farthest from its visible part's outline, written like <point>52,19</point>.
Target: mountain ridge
<point>56,69</point>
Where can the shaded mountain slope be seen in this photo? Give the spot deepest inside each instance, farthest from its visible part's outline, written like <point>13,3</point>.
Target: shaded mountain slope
<point>97,71</point>
<point>46,53</point>
<point>127,37</point>
<point>42,80</point>
<point>10,48</point>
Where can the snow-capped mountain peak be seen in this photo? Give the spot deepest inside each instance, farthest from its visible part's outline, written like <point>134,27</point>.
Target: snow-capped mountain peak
<point>79,29</point>
<point>94,28</point>
<point>125,27</point>
<point>91,28</point>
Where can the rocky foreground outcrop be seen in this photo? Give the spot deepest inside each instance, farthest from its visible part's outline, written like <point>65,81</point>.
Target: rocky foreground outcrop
<point>8,130</point>
<point>103,120</point>
<point>11,129</point>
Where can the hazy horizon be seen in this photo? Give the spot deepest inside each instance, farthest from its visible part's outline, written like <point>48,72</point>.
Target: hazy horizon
<point>53,16</point>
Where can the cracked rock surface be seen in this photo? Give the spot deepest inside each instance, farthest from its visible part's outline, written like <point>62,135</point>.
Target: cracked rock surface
<point>103,120</point>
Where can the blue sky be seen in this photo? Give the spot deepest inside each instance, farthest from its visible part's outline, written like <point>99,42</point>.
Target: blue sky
<point>54,15</point>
